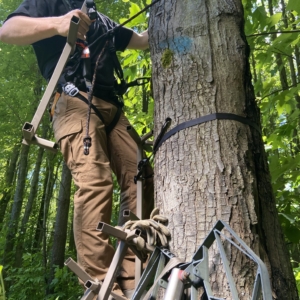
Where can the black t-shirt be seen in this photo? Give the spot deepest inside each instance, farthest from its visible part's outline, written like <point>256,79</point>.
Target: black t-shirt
<point>49,50</point>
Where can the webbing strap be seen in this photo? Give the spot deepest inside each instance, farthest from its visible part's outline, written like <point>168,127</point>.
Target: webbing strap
<point>113,123</point>
<point>207,118</point>
<point>115,120</point>
<point>173,262</point>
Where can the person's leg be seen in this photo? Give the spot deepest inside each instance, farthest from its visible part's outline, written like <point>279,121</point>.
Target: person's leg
<point>123,155</point>
<point>92,176</point>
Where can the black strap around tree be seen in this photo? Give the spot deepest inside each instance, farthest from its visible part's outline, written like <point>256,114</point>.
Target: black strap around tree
<point>163,136</point>
<point>200,120</point>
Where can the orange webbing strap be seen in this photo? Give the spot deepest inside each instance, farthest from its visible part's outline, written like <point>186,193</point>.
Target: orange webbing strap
<point>56,97</point>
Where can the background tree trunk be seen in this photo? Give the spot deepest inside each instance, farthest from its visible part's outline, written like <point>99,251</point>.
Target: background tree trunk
<point>32,196</point>
<point>39,220</point>
<point>217,170</point>
<point>10,176</point>
<point>61,224</point>
<point>16,208</point>
<point>47,197</point>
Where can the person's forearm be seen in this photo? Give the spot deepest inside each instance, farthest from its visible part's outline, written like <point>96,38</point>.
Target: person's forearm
<point>22,30</point>
<point>145,39</point>
<point>139,41</point>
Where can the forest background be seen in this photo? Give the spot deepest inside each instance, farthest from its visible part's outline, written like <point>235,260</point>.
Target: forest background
<point>36,191</point>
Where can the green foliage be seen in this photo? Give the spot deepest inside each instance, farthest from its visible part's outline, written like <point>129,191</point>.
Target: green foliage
<point>294,5</point>
<point>136,64</point>
<point>297,276</point>
<point>21,88</point>
<point>2,289</point>
<point>275,69</point>
<point>28,282</point>
<point>65,285</point>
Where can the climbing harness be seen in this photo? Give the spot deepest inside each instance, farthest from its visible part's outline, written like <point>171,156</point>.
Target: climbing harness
<point>29,128</point>
<point>125,22</point>
<point>87,140</point>
<point>119,87</point>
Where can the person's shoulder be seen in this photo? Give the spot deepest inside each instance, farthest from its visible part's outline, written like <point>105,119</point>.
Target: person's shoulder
<point>29,8</point>
<point>107,21</point>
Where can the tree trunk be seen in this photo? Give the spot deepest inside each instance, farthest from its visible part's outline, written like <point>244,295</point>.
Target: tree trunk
<point>32,195</point>
<point>61,222</point>
<point>9,180</point>
<point>48,194</point>
<point>39,221</point>
<point>17,206</point>
<point>217,170</point>
<point>50,178</point>
<point>71,240</point>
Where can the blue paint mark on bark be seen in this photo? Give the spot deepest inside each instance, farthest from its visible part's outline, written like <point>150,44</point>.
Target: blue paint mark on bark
<point>180,44</point>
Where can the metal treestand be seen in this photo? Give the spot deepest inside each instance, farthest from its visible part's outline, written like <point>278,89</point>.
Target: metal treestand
<point>181,280</point>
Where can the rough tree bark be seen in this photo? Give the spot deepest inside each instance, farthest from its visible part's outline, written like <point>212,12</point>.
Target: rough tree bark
<point>217,170</point>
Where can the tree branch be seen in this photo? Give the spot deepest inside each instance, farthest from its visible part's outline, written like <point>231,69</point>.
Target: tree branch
<point>272,32</point>
<point>278,91</point>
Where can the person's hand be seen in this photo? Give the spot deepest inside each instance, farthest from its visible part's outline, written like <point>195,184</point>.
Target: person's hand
<point>64,24</point>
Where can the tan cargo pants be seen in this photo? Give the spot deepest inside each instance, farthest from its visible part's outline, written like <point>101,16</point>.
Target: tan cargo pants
<point>93,178</point>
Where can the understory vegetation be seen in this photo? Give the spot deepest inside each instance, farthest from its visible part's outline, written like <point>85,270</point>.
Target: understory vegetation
<point>31,179</point>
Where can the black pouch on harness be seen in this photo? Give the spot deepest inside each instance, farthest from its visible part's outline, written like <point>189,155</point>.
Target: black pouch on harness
<point>73,68</point>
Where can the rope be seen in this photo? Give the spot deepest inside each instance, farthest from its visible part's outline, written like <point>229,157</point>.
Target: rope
<point>153,229</point>
<point>124,23</point>
<point>87,140</point>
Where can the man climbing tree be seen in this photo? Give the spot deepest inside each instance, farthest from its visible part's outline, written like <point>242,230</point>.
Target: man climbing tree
<point>93,142</point>
<point>216,170</point>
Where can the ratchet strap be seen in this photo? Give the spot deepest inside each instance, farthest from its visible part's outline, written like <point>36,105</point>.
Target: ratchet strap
<point>207,118</point>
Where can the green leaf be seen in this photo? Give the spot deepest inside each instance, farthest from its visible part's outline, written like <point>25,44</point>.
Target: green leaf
<point>260,17</point>
<point>277,169</point>
<point>294,5</point>
<point>293,234</point>
<point>288,217</point>
<point>273,20</point>
<point>284,38</point>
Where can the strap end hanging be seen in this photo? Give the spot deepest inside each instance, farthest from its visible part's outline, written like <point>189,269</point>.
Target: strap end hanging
<point>87,143</point>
